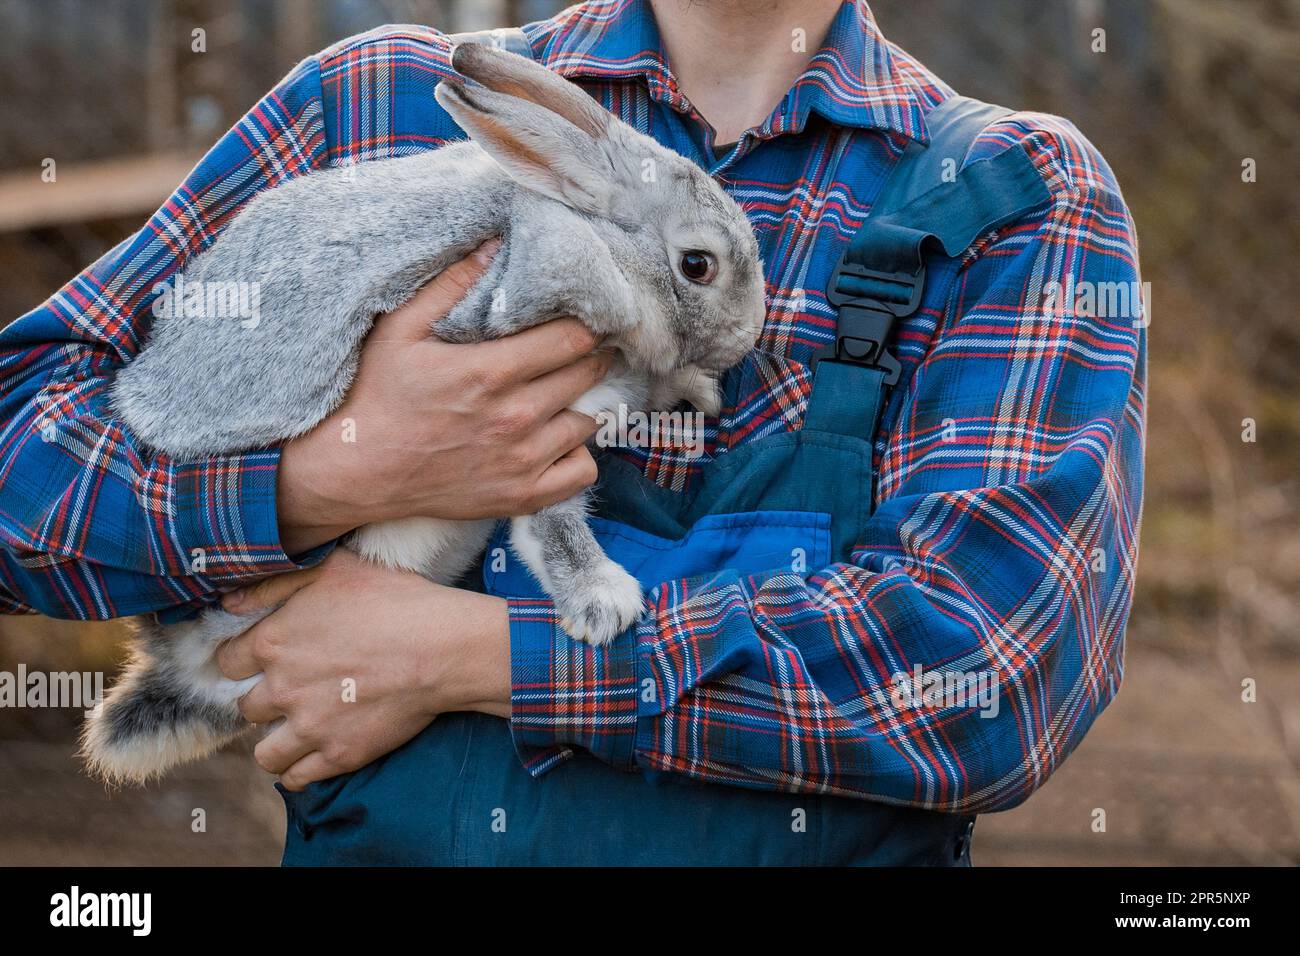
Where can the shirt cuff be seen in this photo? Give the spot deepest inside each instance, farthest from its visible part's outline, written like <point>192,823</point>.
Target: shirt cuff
<point>223,517</point>
<point>566,694</point>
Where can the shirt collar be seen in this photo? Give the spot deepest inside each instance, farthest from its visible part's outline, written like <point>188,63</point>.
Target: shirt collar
<point>852,80</point>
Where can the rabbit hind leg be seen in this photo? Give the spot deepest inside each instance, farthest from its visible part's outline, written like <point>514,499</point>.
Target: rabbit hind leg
<point>172,705</point>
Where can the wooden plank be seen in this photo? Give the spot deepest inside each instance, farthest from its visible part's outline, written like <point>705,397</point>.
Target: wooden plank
<point>130,186</point>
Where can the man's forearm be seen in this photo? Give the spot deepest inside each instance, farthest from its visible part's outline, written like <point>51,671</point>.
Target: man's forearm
<point>483,672</point>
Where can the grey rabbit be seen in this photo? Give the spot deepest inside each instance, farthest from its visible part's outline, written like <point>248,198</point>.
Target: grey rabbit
<point>596,221</point>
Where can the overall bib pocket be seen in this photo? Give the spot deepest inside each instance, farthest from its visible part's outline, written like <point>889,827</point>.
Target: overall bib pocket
<point>748,543</point>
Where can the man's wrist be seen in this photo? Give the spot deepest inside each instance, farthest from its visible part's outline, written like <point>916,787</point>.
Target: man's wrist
<point>476,668</point>
<point>308,515</point>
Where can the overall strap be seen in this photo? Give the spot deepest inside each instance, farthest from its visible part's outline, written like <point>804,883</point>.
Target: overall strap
<point>929,206</point>
<point>511,39</point>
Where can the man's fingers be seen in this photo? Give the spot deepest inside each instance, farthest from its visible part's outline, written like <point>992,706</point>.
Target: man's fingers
<point>256,705</point>
<point>235,657</point>
<point>533,352</point>
<point>565,432</point>
<point>559,389</point>
<point>415,320</point>
<point>569,475</point>
<point>280,750</point>
<point>306,771</point>
<point>268,593</point>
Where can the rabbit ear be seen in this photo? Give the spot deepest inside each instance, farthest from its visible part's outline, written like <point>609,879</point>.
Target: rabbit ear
<point>538,148</point>
<point>519,76</point>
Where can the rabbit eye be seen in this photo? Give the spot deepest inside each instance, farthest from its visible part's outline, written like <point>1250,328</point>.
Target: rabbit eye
<point>698,266</point>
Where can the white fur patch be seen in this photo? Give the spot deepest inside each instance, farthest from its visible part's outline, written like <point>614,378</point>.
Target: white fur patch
<point>440,550</point>
<point>605,398</point>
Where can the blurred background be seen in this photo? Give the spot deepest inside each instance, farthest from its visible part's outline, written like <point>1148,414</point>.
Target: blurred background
<point>1185,93</point>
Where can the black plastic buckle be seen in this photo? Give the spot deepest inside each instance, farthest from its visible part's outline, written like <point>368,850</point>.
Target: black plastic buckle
<point>864,325</point>
<point>910,286</point>
<point>860,340</point>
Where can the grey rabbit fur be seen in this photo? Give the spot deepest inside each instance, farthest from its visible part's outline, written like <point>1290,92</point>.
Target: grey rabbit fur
<point>596,221</point>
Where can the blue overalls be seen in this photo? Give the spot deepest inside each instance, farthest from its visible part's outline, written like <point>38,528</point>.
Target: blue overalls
<point>458,794</point>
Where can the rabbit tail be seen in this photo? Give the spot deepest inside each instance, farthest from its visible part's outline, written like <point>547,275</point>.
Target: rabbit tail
<point>172,705</point>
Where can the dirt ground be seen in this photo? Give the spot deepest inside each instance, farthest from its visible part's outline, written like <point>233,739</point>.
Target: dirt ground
<point>1187,774</point>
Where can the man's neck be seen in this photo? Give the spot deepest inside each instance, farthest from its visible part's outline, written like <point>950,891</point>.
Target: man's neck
<point>735,59</point>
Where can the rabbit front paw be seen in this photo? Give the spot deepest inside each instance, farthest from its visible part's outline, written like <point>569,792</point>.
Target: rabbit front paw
<point>600,606</point>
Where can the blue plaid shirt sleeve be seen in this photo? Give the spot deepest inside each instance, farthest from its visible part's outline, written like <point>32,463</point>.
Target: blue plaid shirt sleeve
<point>1003,545</point>
<point>92,525</point>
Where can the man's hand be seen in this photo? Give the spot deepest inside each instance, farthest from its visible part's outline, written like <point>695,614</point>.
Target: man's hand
<point>359,660</point>
<point>445,431</point>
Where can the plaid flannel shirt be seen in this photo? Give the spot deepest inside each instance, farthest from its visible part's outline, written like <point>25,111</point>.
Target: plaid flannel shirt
<point>1009,473</point>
